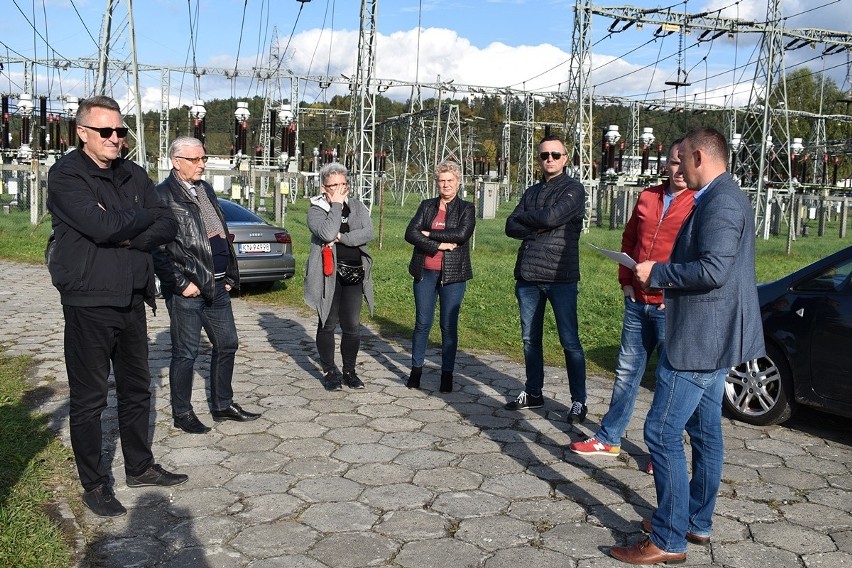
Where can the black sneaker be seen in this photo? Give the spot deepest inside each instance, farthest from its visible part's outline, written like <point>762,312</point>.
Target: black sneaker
<point>156,475</point>
<point>525,400</point>
<point>331,380</point>
<point>578,413</point>
<point>352,381</point>
<point>102,502</point>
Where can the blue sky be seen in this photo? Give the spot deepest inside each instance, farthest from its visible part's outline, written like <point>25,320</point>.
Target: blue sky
<point>524,44</point>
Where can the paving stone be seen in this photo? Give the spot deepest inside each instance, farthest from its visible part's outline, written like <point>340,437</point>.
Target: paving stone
<point>275,538</point>
<point>462,504</point>
<point>380,474</point>
<point>327,489</point>
<point>206,532</point>
<point>270,507</point>
<point>527,557</point>
<point>354,550</point>
<point>365,453</point>
<point>413,524</point>
<point>747,554</point>
<point>339,517</point>
<point>248,484</point>
<point>492,533</point>
<point>439,553</point>
<point>798,541</point>
<point>391,476</point>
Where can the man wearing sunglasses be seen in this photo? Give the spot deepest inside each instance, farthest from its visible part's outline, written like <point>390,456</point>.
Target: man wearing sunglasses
<point>548,220</point>
<point>107,218</point>
<point>197,272</point>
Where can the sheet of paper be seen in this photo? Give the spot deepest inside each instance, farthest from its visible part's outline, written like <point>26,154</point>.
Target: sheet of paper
<point>620,257</point>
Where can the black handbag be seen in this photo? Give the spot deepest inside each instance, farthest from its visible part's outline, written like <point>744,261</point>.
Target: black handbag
<point>350,274</point>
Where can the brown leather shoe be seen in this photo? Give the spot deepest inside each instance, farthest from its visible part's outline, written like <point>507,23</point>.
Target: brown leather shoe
<point>645,552</point>
<point>693,538</point>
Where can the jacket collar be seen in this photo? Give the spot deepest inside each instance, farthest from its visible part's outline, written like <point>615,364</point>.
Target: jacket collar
<point>321,202</point>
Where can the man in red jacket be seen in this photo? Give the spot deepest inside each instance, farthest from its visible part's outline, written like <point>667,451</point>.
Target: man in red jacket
<point>649,235</point>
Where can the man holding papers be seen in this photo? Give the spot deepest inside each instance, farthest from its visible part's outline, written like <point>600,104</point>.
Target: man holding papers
<point>649,235</point>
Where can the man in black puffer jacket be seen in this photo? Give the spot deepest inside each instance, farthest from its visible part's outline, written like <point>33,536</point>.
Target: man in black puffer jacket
<point>106,220</point>
<point>548,221</point>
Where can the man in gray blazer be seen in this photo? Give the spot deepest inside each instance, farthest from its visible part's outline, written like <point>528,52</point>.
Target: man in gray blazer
<point>713,323</point>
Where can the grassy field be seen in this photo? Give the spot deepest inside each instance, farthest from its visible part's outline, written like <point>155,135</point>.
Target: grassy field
<point>489,318</point>
<point>34,463</point>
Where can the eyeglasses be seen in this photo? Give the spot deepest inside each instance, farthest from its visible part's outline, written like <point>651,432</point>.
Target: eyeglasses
<point>106,131</point>
<point>336,186</point>
<point>194,160</point>
<point>554,155</point>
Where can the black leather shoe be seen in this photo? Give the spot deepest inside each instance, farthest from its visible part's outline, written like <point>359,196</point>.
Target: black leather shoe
<point>102,502</point>
<point>234,412</point>
<point>190,424</point>
<point>156,475</point>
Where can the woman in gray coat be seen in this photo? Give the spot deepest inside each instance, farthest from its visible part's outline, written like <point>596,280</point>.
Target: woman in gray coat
<point>338,273</point>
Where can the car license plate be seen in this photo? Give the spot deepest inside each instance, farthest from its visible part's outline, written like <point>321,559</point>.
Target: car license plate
<point>255,247</point>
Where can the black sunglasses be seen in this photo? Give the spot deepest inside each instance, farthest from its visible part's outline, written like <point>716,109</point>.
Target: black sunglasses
<point>554,155</point>
<point>106,131</point>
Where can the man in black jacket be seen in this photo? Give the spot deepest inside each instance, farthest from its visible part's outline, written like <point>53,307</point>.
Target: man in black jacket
<point>548,221</point>
<point>106,220</point>
<point>197,271</point>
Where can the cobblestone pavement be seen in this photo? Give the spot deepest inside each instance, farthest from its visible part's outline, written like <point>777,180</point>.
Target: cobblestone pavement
<point>389,476</point>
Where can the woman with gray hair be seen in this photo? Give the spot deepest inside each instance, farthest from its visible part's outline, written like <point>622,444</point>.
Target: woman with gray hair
<point>338,273</point>
<point>440,232</point>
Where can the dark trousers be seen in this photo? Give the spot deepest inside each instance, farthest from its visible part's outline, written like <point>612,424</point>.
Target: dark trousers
<point>94,338</point>
<point>346,310</point>
<point>188,316</point>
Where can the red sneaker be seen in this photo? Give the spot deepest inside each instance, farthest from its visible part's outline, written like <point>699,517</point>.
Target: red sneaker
<point>594,447</point>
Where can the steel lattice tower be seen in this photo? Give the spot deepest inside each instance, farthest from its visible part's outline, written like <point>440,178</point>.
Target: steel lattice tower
<point>579,118</point>
<point>415,161</point>
<point>767,133</point>
<point>360,139</point>
<point>103,84</point>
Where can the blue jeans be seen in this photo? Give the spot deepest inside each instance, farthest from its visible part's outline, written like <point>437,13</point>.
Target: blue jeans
<point>643,329</point>
<point>691,401</point>
<point>532,298</point>
<point>426,292</point>
<point>188,316</point>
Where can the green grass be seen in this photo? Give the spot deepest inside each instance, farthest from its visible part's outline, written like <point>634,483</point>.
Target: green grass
<point>33,460</point>
<point>21,241</point>
<point>489,318</point>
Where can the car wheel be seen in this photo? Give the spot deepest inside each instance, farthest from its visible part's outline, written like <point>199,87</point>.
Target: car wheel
<point>760,391</point>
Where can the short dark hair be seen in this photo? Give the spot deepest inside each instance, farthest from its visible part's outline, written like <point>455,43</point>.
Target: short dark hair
<point>97,101</point>
<point>553,138</point>
<point>710,140</point>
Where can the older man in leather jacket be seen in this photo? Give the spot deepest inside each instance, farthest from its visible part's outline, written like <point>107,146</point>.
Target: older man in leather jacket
<point>197,271</point>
